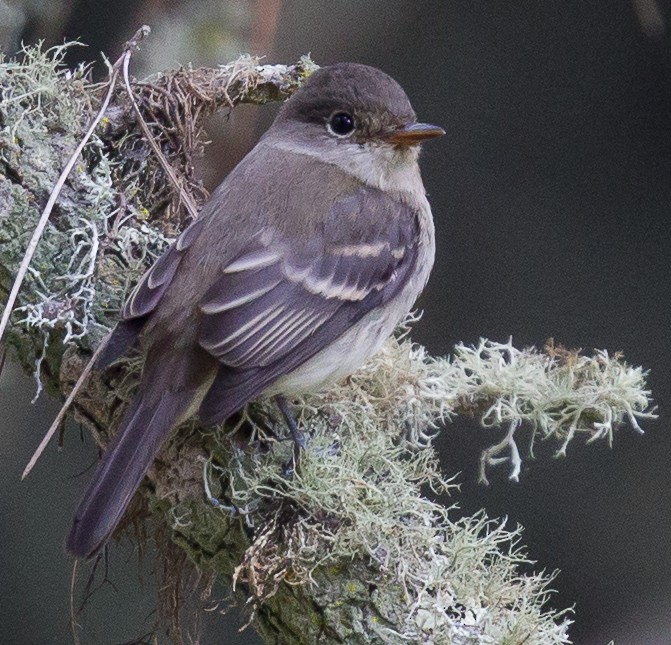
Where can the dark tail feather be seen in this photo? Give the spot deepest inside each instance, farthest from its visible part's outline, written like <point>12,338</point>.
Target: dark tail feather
<point>124,336</point>
<point>145,427</point>
<point>229,392</point>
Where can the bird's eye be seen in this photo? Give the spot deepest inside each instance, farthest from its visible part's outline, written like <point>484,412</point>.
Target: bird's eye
<point>341,124</point>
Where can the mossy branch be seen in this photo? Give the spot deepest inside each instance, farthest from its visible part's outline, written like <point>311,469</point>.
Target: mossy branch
<point>348,549</point>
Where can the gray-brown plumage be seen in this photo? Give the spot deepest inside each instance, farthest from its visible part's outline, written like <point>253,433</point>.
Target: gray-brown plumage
<point>300,265</point>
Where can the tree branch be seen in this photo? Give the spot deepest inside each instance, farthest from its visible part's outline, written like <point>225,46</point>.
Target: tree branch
<point>349,549</point>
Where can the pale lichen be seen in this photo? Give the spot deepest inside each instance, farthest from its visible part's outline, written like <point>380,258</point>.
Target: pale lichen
<point>359,491</point>
<point>555,393</point>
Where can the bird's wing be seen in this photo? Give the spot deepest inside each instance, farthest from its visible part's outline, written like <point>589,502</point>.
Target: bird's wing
<point>277,305</point>
<point>154,283</point>
<point>146,296</point>
<point>274,298</point>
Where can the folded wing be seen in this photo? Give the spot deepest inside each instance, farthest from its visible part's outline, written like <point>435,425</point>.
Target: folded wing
<point>277,305</point>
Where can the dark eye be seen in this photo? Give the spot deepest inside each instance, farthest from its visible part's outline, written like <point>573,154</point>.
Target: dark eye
<point>341,124</point>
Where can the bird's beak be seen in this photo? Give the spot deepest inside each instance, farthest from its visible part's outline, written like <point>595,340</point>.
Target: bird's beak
<point>414,133</point>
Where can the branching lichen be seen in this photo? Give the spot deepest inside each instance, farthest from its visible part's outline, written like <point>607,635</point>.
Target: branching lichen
<point>555,393</point>
<point>359,491</point>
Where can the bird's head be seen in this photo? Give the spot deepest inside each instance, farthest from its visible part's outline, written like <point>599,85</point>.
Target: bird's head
<point>349,103</point>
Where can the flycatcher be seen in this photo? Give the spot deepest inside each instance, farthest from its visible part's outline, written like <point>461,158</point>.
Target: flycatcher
<point>298,268</point>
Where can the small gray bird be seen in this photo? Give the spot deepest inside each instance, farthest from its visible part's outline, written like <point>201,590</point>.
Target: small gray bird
<point>300,265</point>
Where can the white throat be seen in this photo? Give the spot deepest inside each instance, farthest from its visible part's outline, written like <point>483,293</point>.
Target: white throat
<point>378,165</point>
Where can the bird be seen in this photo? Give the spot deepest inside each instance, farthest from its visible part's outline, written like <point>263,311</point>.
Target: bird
<point>297,269</point>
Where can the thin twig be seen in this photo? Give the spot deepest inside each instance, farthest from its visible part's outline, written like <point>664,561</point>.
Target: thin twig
<point>3,356</point>
<point>125,57</point>
<point>65,407</point>
<point>184,196</point>
<point>44,218</point>
<point>73,615</point>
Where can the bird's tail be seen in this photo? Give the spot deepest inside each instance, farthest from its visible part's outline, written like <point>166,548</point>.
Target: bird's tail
<point>143,430</point>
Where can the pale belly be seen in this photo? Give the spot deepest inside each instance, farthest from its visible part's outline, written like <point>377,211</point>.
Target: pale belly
<point>339,359</point>
<point>349,351</point>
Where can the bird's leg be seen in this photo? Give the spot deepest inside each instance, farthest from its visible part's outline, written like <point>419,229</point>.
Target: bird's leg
<point>296,434</point>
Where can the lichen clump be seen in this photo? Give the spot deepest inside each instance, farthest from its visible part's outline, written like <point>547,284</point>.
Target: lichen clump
<point>359,492</point>
<point>92,250</point>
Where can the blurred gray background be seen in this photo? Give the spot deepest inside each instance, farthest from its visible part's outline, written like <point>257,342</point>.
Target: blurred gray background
<point>552,199</point>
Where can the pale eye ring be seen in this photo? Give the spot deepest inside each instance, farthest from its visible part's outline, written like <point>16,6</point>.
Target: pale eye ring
<point>341,124</point>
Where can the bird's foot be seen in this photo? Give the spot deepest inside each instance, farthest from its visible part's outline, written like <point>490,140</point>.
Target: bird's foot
<point>299,439</point>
